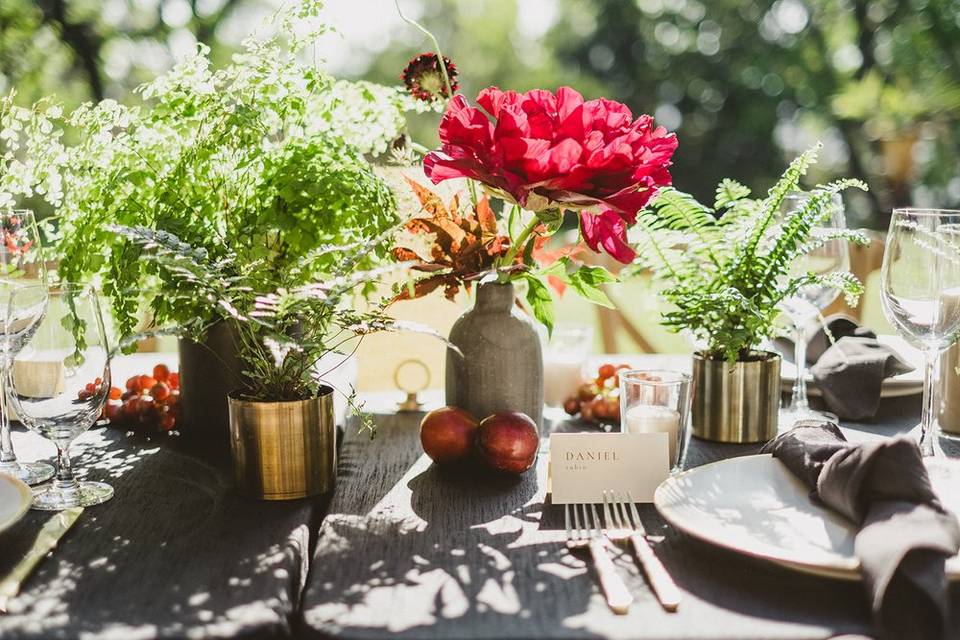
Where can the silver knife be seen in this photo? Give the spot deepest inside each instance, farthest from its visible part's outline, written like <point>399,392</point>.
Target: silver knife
<point>46,541</point>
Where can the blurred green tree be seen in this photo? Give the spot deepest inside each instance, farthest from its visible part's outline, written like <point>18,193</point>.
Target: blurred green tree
<point>747,84</point>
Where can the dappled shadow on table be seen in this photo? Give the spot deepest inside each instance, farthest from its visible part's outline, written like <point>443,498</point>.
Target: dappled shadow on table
<point>175,551</point>
<point>410,550</point>
<point>414,550</point>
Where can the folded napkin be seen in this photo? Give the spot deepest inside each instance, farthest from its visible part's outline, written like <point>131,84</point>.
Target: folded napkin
<point>850,369</point>
<point>904,534</point>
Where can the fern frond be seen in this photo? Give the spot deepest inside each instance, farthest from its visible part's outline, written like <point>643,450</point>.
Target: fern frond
<point>797,227</point>
<point>843,281</point>
<point>663,251</point>
<point>727,277</point>
<point>729,192</point>
<point>679,211</point>
<point>788,182</point>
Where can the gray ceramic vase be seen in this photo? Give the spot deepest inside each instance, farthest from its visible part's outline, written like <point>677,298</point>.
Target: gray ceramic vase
<point>501,368</point>
<point>209,371</point>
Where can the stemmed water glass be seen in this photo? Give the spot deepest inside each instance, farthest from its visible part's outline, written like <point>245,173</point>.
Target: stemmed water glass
<point>21,265</point>
<point>807,303</point>
<point>59,384</point>
<point>921,292</point>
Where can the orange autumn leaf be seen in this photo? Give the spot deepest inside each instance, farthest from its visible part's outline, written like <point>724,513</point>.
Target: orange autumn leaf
<point>430,201</point>
<point>465,242</point>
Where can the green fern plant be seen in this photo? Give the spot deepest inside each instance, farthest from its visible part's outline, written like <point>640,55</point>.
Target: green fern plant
<point>727,268</point>
<point>282,333</point>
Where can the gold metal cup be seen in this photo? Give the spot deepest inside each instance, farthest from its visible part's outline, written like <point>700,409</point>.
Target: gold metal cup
<point>283,450</point>
<point>736,402</point>
<point>949,410</point>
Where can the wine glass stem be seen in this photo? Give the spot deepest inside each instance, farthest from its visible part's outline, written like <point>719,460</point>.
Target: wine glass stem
<point>799,400</point>
<point>7,457</point>
<point>65,481</point>
<point>927,419</point>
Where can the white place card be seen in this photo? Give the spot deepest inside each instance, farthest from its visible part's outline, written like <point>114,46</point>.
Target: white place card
<point>584,465</point>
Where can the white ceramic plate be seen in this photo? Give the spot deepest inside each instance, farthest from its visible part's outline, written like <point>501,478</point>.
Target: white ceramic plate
<point>15,499</point>
<point>906,384</point>
<point>754,506</point>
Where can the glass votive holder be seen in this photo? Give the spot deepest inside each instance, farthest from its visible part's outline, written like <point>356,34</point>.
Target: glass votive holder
<point>654,401</point>
<point>565,358</point>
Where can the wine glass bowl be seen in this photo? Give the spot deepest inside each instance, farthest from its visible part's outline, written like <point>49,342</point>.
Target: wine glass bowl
<point>827,255</point>
<point>21,268</point>
<point>920,292</point>
<point>59,385</point>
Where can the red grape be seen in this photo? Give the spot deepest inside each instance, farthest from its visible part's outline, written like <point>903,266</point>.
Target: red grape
<point>160,392</point>
<point>161,372</point>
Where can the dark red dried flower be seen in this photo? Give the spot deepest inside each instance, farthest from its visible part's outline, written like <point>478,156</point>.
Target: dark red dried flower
<point>424,78</point>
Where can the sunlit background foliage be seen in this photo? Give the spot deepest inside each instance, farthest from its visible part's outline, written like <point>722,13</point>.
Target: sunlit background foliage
<point>747,84</point>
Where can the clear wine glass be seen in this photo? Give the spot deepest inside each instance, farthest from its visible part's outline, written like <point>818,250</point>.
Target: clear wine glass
<point>21,265</point>
<point>59,384</point>
<point>807,304</point>
<point>921,292</point>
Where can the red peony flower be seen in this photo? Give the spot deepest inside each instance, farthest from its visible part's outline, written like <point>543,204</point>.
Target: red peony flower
<point>424,78</point>
<point>543,150</point>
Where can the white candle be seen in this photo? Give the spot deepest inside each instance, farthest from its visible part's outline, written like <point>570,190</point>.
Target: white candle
<point>562,377</point>
<point>654,418</point>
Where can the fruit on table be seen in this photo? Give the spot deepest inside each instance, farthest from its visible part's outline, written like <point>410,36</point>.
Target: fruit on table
<point>508,442</point>
<point>598,399</point>
<point>150,404</point>
<point>447,434</point>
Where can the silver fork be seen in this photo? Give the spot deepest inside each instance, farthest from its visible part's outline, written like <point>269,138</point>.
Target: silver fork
<point>591,536</point>
<point>623,523</point>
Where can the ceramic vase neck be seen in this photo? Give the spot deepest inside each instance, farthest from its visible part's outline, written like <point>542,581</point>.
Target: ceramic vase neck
<point>493,296</point>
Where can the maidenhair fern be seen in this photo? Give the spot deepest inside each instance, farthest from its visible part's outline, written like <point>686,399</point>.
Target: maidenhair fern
<point>727,269</point>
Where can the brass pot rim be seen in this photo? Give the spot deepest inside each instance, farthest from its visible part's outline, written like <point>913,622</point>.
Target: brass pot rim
<point>763,356</point>
<point>324,391</point>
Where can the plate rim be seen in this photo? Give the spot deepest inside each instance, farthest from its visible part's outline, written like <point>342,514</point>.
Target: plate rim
<point>826,571</point>
<point>25,493</point>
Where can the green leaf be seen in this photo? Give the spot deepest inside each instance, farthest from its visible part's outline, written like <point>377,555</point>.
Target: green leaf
<point>557,269</point>
<point>552,219</point>
<point>587,280</point>
<point>541,302</point>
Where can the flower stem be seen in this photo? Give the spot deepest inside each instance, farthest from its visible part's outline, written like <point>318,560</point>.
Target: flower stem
<point>436,47</point>
<point>518,244</point>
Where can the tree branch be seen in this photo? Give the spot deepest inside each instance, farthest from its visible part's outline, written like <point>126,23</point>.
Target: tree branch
<point>81,37</point>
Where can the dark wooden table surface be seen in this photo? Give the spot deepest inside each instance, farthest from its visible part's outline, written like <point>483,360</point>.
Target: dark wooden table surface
<point>408,550</point>
<point>176,553</point>
<point>405,550</point>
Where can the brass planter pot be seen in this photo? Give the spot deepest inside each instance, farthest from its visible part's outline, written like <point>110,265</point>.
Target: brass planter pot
<point>949,398</point>
<point>736,402</point>
<point>283,450</point>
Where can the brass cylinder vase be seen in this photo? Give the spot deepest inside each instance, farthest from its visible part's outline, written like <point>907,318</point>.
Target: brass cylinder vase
<point>736,402</point>
<point>948,414</point>
<point>283,450</point>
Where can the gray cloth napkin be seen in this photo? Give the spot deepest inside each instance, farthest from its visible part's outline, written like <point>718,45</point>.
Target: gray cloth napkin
<point>904,534</point>
<point>850,370</point>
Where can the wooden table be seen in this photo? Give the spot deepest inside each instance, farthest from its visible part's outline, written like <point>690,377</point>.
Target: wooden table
<point>176,553</point>
<point>405,551</point>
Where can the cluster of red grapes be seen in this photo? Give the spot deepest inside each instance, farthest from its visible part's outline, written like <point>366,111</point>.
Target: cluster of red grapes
<point>598,400</point>
<point>151,403</point>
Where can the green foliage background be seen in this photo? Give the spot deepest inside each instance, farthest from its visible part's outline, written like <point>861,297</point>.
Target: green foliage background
<point>747,84</point>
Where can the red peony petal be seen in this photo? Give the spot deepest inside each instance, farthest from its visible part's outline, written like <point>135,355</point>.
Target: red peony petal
<point>568,101</point>
<point>512,123</point>
<point>493,99</point>
<point>465,125</point>
<point>607,230</point>
<point>568,151</point>
<point>564,156</point>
